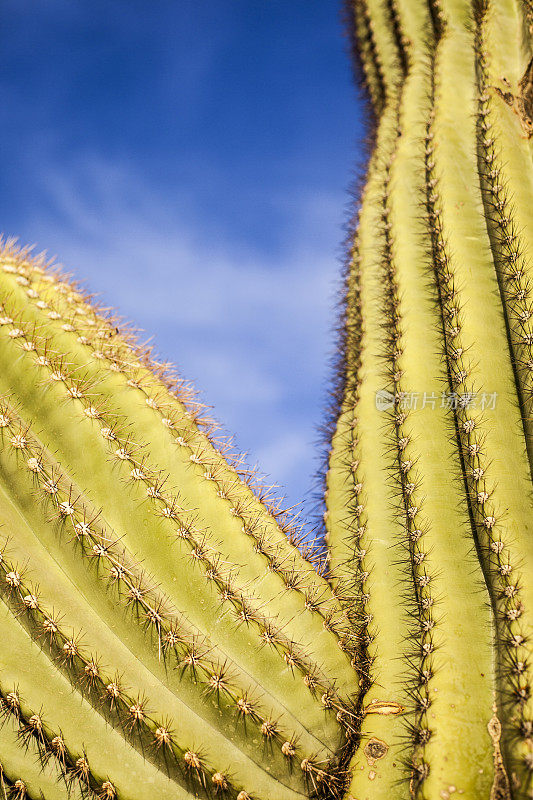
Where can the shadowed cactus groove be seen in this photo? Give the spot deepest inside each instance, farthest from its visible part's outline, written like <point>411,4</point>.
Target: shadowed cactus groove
<point>165,630</point>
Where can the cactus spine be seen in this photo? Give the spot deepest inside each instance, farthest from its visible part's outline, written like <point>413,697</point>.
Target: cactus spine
<point>162,633</point>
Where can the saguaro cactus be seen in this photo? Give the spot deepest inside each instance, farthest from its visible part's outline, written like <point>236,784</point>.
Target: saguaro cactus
<point>430,523</point>
<point>162,634</point>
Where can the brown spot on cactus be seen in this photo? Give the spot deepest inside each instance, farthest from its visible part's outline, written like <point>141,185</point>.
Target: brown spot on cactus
<point>375,749</point>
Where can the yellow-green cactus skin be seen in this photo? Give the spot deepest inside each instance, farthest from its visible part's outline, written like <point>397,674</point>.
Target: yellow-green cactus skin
<point>164,635</point>
<point>429,496</point>
<point>161,636</point>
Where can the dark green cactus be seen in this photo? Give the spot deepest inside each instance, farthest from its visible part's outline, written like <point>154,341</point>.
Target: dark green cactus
<point>162,634</point>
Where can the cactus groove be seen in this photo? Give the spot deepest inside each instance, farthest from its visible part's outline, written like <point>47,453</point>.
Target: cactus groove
<point>165,630</point>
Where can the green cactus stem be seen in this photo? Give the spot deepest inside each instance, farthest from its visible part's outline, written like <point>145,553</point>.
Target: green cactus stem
<point>429,503</point>
<point>155,607</point>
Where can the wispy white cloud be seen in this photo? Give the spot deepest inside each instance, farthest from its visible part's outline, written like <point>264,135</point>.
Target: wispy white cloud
<point>249,325</point>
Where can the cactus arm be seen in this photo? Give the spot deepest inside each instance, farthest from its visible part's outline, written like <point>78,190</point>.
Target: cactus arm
<point>286,600</point>
<point>105,349</point>
<point>295,691</point>
<point>436,518</point>
<point>72,649</point>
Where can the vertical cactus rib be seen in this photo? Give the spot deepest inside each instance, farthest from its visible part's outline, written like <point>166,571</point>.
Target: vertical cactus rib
<point>360,512</point>
<point>387,45</point>
<point>344,440</point>
<point>365,53</point>
<point>362,517</point>
<point>494,452</point>
<point>400,38</point>
<point>504,159</point>
<point>526,7</point>
<point>374,590</point>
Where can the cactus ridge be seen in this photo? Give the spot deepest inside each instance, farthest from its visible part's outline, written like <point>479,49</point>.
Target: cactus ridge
<point>366,51</point>
<point>401,41</point>
<point>408,488</point>
<point>32,729</point>
<point>353,561</point>
<point>356,553</point>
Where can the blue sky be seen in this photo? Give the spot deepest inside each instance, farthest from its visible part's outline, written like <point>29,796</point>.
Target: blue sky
<point>189,161</point>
